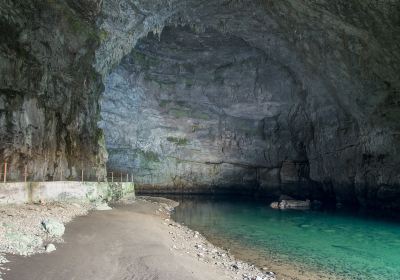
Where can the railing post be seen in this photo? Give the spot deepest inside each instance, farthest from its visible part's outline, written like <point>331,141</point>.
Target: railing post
<point>112,177</point>
<point>127,177</point>
<point>82,176</point>
<point>132,177</point>
<point>5,172</point>
<point>26,173</point>
<point>121,177</point>
<point>61,175</point>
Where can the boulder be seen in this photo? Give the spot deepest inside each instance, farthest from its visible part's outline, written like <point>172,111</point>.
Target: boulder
<point>275,205</point>
<point>295,204</point>
<point>292,204</point>
<point>53,227</point>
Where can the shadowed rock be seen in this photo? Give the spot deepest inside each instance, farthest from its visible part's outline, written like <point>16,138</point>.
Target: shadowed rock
<point>270,97</point>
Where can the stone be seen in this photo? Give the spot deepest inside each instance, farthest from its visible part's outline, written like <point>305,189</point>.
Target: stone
<point>295,204</point>
<point>23,243</point>
<point>53,227</point>
<point>275,205</point>
<point>103,207</point>
<point>50,248</point>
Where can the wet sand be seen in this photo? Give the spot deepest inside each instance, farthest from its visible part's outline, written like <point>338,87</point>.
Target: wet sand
<point>129,242</point>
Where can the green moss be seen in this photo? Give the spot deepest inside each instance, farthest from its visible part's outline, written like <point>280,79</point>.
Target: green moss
<point>144,60</point>
<point>179,113</point>
<point>77,24</point>
<point>195,128</point>
<point>163,103</point>
<point>138,57</point>
<point>178,141</point>
<point>201,116</point>
<point>247,126</point>
<point>103,35</point>
<point>189,83</point>
<point>149,156</point>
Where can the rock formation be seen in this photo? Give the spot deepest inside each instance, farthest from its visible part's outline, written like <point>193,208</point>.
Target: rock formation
<point>268,96</point>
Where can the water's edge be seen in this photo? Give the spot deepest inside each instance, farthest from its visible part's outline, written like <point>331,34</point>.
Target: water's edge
<point>282,270</point>
<point>286,268</point>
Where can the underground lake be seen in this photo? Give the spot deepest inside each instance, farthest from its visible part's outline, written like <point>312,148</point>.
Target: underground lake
<point>335,244</point>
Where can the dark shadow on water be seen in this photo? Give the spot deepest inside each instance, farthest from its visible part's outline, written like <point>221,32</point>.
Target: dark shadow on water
<point>352,244</point>
<point>361,213</point>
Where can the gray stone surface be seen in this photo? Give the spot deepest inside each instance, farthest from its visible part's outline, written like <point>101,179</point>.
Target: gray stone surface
<point>49,91</point>
<point>255,106</point>
<point>50,248</point>
<point>53,227</point>
<point>22,243</point>
<point>103,207</point>
<point>280,96</point>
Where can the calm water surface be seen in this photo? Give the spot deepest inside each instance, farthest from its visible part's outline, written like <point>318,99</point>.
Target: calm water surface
<point>344,244</point>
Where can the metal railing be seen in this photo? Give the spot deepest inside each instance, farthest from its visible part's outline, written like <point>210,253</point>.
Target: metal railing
<point>10,173</point>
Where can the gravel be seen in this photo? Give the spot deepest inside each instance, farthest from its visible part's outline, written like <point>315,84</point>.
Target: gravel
<point>24,229</point>
<point>29,229</point>
<point>193,243</point>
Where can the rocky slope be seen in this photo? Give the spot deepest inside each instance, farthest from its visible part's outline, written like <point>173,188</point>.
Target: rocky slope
<point>295,97</point>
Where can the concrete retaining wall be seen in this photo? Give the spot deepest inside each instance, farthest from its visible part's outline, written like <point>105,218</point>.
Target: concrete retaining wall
<point>29,192</point>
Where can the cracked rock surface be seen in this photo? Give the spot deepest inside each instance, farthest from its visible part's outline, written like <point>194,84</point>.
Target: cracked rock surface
<point>237,98</point>
<point>293,97</point>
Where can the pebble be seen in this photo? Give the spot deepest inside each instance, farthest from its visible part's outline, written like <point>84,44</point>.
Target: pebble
<point>50,248</point>
<point>194,244</point>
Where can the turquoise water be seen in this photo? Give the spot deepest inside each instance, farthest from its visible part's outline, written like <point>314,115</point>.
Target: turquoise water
<point>344,244</point>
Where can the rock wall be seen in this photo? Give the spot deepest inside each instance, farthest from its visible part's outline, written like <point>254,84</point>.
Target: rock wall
<point>49,91</point>
<point>276,97</point>
<point>297,97</point>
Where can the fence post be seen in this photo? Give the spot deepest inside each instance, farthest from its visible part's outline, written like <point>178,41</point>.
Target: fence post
<point>127,177</point>
<point>82,176</point>
<point>112,177</point>
<point>132,177</point>
<point>5,172</point>
<point>121,177</point>
<point>61,175</point>
<point>26,173</point>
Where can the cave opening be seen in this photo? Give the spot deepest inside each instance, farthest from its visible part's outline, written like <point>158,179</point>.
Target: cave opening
<point>203,111</point>
<point>269,127</point>
<point>274,97</point>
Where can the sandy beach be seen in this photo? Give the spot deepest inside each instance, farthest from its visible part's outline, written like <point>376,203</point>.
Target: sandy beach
<point>136,240</point>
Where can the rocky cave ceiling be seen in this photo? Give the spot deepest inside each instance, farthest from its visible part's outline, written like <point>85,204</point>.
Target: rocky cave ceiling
<point>288,96</point>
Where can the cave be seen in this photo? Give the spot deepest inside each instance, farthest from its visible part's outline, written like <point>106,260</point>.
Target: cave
<point>191,139</point>
<point>262,98</point>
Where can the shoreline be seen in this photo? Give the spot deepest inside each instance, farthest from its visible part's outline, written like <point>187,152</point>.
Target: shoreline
<point>188,241</point>
<point>185,246</point>
<point>135,240</point>
<point>280,268</point>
